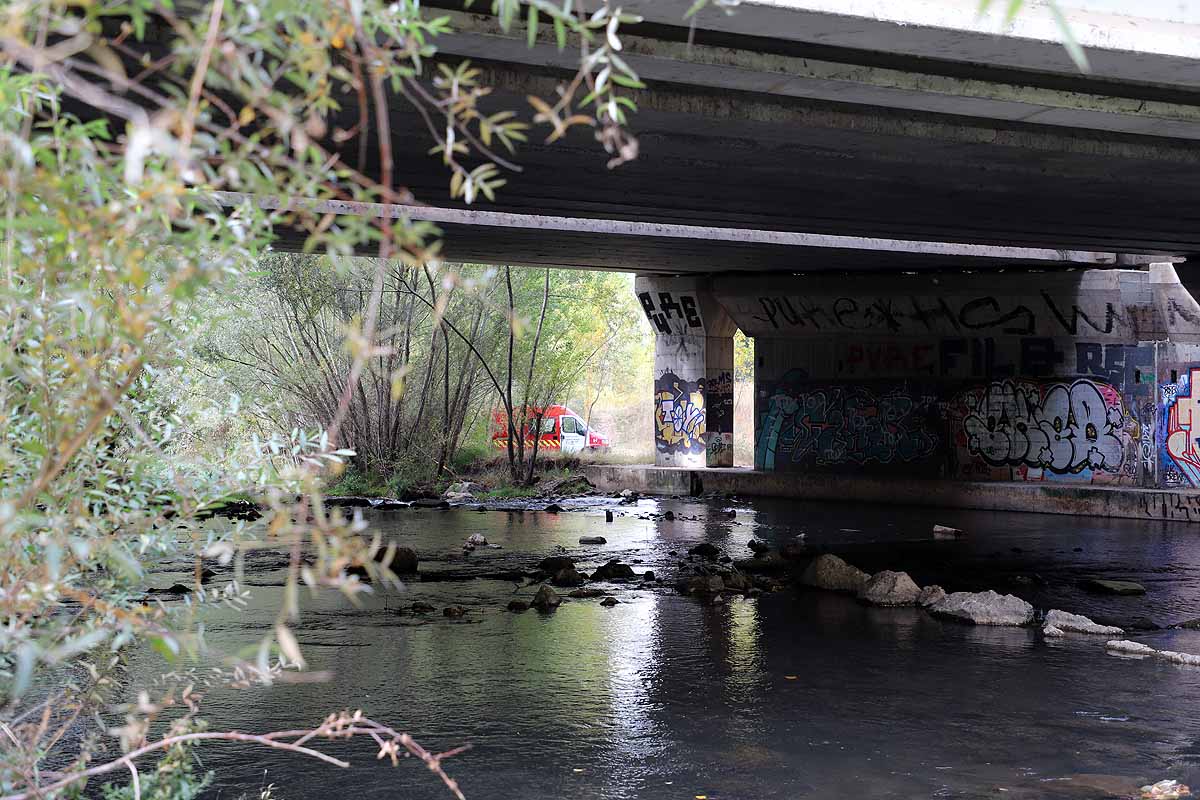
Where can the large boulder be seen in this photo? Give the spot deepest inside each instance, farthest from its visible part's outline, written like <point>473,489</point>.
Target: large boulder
<point>984,608</point>
<point>462,488</point>
<point>1077,623</point>
<point>546,599</point>
<point>830,572</point>
<point>888,588</point>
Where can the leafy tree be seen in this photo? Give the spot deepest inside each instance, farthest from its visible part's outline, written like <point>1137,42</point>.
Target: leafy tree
<point>139,141</point>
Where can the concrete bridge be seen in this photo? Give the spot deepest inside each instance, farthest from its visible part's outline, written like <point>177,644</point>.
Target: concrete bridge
<point>959,247</point>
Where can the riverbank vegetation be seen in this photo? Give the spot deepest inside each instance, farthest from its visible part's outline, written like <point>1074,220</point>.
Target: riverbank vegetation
<point>162,358</point>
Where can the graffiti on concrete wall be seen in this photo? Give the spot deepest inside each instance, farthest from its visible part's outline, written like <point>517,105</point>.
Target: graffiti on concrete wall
<point>842,425</point>
<point>679,414</point>
<point>1060,427</point>
<point>1181,430</point>
<point>990,357</point>
<point>1009,316</point>
<point>662,307</point>
<point>718,394</point>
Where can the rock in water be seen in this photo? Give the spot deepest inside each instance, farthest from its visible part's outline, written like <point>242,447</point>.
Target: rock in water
<point>554,564</point>
<point>1104,586</point>
<point>888,588</point>
<point>475,540</point>
<point>453,612</point>
<point>546,599</point>
<point>1077,623</point>
<point>553,508</point>
<point>984,608</point>
<point>1165,790</point>
<point>404,560</point>
<point>702,585</point>
<point>608,516</point>
<point>593,540</point>
<point>583,594</point>
<point>1050,630</point>
<point>830,572</point>
<point>670,515</point>
<point>705,550</point>
<point>737,582</point>
<point>421,608</point>
<point>946,532</point>
<point>930,595</point>
<point>1130,648</point>
<point>614,571</point>
<point>517,606</point>
<point>609,602</point>
<point>757,547</point>
<point>567,577</point>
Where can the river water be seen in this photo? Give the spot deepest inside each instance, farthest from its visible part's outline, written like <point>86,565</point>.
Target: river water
<point>785,695</point>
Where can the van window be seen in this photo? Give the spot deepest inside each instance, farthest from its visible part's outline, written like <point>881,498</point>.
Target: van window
<point>548,425</point>
<point>568,424</point>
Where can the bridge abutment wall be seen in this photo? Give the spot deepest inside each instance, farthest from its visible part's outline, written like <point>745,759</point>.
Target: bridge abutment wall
<point>1081,377</point>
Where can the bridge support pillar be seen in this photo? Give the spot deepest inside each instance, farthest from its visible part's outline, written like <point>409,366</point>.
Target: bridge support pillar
<point>693,372</point>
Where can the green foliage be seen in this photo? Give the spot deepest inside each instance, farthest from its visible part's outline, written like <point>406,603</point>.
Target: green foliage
<point>173,778</point>
<point>355,483</point>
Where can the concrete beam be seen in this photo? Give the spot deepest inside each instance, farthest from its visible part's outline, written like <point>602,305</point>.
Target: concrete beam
<point>747,70</point>
<point>1152,42</point>
<point>790,251</point>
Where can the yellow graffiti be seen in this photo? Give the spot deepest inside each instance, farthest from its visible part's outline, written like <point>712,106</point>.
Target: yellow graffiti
<point>679,416</point>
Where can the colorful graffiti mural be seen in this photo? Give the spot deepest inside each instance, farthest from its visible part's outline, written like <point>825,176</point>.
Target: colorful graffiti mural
<point>841,425</point>
<point>679,414</point>
<point>1064,428</point>
<point>1181,427</point>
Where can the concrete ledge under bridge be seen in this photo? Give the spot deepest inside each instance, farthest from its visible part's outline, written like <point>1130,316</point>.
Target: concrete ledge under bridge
<point>1044,498</point>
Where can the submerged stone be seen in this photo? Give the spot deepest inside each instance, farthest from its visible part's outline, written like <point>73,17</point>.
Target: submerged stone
<point>1105,586</point>
<point>594,539</point>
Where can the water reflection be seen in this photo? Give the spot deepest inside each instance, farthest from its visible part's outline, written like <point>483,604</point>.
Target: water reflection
<point>785,695</point>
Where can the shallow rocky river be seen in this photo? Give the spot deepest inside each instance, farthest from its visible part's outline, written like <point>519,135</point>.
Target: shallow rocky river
<point>795,693</point>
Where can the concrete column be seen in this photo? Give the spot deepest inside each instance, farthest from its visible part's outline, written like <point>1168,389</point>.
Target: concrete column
<point>693,372</point>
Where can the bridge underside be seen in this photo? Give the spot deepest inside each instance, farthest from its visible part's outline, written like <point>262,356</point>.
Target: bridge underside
<point>774,165</point>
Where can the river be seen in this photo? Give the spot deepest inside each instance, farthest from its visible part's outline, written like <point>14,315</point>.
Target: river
<point>784,695</point>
